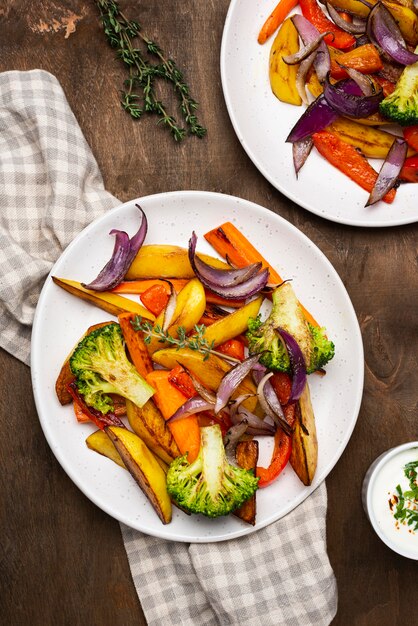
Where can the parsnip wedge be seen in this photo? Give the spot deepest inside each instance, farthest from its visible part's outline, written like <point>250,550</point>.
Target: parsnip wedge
<point>304,456</point>
<point>100,442</point>
<point>106,300</point>
<point>144,468</point>
<point>233,324</point>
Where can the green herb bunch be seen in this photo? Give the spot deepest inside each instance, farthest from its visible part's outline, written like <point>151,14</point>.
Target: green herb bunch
<point>139,95</point>
<point>404,513</point>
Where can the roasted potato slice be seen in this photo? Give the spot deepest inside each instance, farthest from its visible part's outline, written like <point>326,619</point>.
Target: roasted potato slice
<point>100,442</point>
<point>144,468</point>
<point>233,324</point>
<point>304,455</point>
<point>164,261</point>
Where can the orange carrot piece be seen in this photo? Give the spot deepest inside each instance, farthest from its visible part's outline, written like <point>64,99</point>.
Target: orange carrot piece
<point>274,20</point>
<point>229,242</point>
<point>79,413</point>
<point>155,299</point>
<point>350,162</point>
<point>140,286</point>
<point>135,344</point>
<point>212,298</point>
<point>168,398</point>
<point>365,59</point>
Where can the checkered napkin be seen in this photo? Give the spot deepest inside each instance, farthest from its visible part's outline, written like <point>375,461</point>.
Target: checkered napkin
<point>51,188</point>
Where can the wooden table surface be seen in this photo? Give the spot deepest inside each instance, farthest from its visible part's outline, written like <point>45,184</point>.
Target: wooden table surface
<point>62,559</point>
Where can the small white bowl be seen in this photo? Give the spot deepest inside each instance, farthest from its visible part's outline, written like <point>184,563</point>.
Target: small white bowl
<point>379,479</point>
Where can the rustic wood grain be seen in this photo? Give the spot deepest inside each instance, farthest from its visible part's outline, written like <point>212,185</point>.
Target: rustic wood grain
<point>62,559</point>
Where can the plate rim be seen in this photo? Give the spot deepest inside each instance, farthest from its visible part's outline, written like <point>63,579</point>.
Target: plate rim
<point>253,157</point>
<point>72,473</point>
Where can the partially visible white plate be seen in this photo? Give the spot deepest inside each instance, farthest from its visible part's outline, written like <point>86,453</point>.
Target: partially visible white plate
<point>61,319</point>
<point>262,124</point>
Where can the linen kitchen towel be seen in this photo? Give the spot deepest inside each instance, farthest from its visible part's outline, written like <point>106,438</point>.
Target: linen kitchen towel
<point>50,189</point>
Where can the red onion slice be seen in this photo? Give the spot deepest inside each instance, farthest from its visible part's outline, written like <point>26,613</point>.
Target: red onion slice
<point>234,434</point>
<point>222,278</point>
<point>303,70</point>
<point>344,103</point>
<point>206,394</point>
<point>301,150</point>
<point>349,27</point>
<point>240,291</point>
<point>388,175</point>
<point>233,409</point>
<point>170,307</point>
<point>382,27</point>
<point>255,422</point>
<point>316,117</point>
<point>190,407</point>
<point>297,363</point>
<point>270,403</point>
<point>303,53</point>
<point>308,33</point>
<point>364,81</point>
<point>123,254</point>
<point>231,380</point>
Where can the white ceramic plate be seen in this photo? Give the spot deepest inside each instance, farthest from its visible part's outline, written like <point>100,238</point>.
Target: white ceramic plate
<point>262,124</point>
<point>61,319</point>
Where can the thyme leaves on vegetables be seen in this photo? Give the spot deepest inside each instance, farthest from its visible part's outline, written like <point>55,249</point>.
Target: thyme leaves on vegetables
<point>139,96</point>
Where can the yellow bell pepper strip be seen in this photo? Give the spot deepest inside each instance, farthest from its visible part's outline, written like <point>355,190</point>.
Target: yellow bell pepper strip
<point>338,37</point>
<point>283,76</point>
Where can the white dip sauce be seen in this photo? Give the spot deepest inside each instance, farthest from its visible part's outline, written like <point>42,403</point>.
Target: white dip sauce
<point>391,474</point>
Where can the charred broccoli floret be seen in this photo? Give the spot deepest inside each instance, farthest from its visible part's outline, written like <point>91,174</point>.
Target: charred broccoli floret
<point>101,367</point>
<point>209,485</point>
<point>401,106</point>
<point>263,337</point>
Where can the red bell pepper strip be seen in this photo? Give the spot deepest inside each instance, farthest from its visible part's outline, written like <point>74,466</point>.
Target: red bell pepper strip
<point>409,171</point>
<point>350,162</point>
<point>410,134</point>
<point>155,299</point>
<point>233,348</point>
<point>338,37</point>
<point>279,460</point>
<point>100,419</point>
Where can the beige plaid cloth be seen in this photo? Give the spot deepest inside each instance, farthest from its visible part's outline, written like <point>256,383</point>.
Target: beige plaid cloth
<point>51,188</point>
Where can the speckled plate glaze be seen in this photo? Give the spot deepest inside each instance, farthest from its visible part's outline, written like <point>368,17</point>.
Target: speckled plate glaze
<point>262,124</point>
<point>61,319</point>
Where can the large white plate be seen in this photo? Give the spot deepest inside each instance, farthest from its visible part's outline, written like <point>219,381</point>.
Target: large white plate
<point>262,124</point>
<point>61,319</point>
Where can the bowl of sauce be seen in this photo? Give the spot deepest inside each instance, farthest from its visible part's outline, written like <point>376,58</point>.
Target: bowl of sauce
<point>390,498</point>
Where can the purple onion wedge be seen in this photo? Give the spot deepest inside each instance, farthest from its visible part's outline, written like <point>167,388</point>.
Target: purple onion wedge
<point>190,407</point>
<point>232,379</point>
<point>308,33</point>
<point>317,116</point>
<point>252,280</point>
<point>124,252</point>
<point>348,104</point>
<point>349,27</point>
<point>254,422</point>
<point>388,175</point>
<point>270,403</point>
<point>301,150</point>
<point>303,53</point>
<point>364,81</point>
<point>383,29</point>
<point>297,363</point>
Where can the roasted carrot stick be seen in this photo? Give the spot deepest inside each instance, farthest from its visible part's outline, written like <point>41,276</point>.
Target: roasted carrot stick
<point>274,20</point>
<point>229,242</point>
<point>135,344</point>
<point>350,162</point>
<point>168,398</point>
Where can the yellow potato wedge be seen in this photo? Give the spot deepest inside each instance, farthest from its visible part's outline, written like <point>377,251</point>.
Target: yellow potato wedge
<point>148,423</point>
<point>99,442</point>
<point>191,304</point>
<point>372,142</point>
<point>304,455</point>
<point>233,324</point>
<point>142,465</point>
<point>283,76</point>
<point>106,300</point>
<point>164,261</point>
<point>209,372</point>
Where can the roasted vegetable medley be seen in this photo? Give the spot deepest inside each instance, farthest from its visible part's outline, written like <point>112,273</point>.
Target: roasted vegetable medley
<point>183,381</point>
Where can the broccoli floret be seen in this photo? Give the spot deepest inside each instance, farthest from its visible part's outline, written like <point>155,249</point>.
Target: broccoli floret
<point>401,106</point>
<point>100,366</point>
<point>209,485</point>
<point>286,313</point>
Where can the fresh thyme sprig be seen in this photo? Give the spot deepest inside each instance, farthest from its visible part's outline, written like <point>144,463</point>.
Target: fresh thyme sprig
<point>139,96</point>
<point>196,342</point>
<point>403,513</point>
